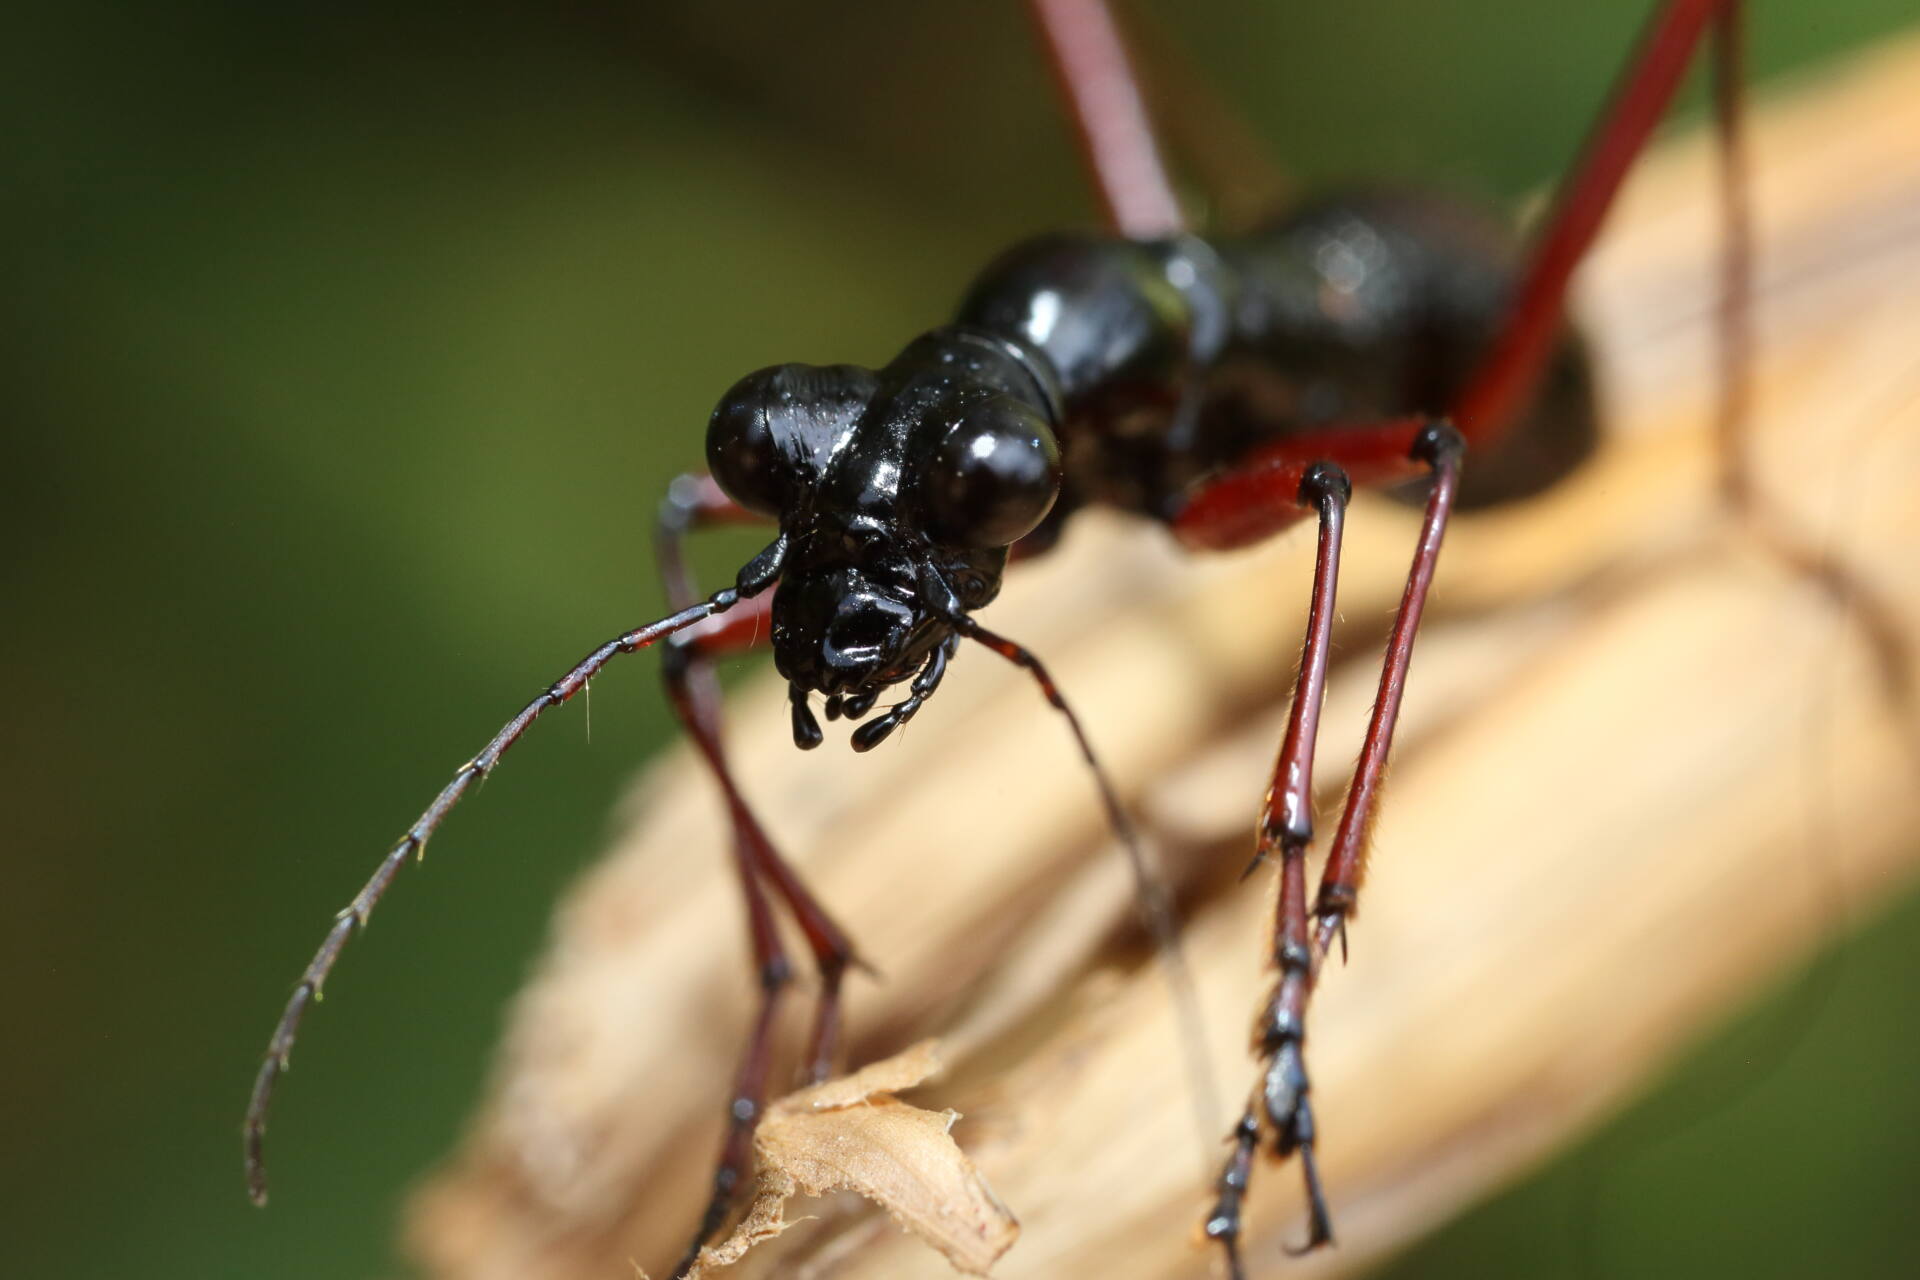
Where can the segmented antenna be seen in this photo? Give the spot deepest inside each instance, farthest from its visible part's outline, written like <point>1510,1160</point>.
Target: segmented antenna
<point>755,578</point>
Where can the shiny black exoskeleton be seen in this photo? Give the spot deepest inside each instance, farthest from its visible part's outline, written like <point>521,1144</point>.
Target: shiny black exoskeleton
<point>1092,369</point>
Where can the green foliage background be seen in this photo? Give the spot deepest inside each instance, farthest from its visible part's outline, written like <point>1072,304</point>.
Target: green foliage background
<point>347,353</point>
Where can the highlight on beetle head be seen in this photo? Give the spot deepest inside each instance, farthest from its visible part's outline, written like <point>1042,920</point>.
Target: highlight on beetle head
<point>898,495</point>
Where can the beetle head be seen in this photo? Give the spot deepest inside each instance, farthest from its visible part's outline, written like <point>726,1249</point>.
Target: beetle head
<point>899,494</point>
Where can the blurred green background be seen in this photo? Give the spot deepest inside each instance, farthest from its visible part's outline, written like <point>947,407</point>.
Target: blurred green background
<point>347,353</point>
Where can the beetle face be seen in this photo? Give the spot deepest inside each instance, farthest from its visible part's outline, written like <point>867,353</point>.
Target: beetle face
<point>848,617</point>
<point>899,495</point>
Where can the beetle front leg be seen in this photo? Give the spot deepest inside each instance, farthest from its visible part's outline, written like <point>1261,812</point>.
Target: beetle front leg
<point>1281,1106</point>
<point>687,666</point>
<point>1286,829</point>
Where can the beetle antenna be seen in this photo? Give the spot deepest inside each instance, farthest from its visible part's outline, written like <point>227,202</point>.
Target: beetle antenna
<point>1150,889</point>
<point>756,577</point>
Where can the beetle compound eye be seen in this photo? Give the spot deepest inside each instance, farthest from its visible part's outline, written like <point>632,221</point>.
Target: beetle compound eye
<point>994,477</point>
<point>744,450</point>
<point>773,431</point>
